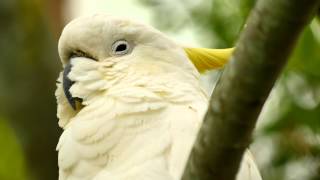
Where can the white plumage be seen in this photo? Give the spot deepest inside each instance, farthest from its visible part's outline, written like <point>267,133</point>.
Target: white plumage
<point>142,107</point>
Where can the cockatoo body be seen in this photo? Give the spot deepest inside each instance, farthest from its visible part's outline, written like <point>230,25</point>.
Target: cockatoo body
<point>130,101</point>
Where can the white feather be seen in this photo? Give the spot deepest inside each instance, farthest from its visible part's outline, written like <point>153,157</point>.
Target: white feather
<point>142,110</point>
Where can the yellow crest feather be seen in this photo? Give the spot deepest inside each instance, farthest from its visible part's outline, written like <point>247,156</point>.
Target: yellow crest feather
<point>206,59</point>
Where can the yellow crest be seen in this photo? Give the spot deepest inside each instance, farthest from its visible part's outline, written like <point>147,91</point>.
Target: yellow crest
<point>207,59</point>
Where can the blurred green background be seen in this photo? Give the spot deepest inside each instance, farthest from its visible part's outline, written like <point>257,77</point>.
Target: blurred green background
<point>287,139</point>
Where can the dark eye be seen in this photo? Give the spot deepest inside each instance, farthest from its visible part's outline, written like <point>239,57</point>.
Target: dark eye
<point>120,47</point>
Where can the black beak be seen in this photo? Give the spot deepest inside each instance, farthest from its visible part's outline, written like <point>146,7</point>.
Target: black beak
<point>67,83</point>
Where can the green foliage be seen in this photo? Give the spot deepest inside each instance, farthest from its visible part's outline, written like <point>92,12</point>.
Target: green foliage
<point>306,58</point>
<point>218,21</point>
<point>28,69</point>
<point>12,165</point>
<point>298,125</point>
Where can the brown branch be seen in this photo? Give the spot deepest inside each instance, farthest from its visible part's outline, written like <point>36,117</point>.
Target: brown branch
<point>262,51</point>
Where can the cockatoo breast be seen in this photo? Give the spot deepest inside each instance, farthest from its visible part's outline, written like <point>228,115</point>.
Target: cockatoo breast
<point>129,100</point>
<point>140,113</point>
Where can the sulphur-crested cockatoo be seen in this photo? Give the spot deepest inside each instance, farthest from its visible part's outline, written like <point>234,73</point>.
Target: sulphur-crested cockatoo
<point>130,101</point>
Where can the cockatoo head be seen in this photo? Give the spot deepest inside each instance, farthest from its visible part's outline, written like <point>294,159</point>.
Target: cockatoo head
<point>102,51</point>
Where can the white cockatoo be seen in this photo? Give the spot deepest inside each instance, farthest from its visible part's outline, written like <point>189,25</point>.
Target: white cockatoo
<point>130,101</point>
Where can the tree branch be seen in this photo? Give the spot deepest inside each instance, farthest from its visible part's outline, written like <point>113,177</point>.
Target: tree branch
<point>262,51</point>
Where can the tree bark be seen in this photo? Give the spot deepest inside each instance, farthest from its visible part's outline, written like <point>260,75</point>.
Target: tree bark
<point>261,53</point>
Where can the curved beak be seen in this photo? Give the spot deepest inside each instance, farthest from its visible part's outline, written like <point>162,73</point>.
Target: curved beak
<point>67,83</point>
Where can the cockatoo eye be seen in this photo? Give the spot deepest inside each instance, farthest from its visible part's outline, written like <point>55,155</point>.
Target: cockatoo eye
<point>120,47</point>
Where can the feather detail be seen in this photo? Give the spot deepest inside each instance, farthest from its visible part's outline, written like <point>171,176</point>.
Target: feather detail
<point>141,110</point>
<point>207,59</point>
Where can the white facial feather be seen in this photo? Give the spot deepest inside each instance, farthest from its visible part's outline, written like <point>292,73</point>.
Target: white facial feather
<point>152,54</point>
